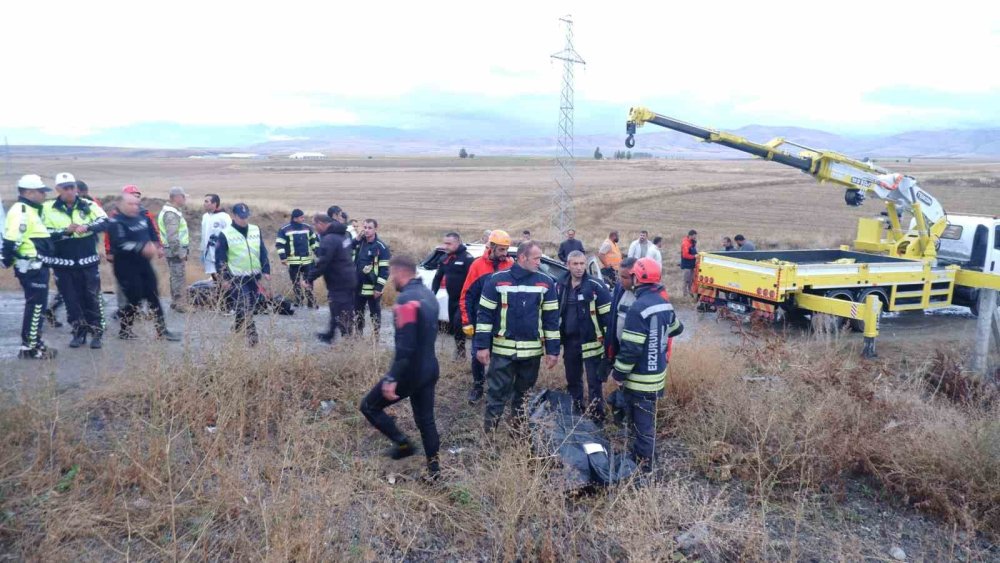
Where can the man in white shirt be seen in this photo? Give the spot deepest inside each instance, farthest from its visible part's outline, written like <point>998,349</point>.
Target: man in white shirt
<point>213,222</point>
<point>641,247</point>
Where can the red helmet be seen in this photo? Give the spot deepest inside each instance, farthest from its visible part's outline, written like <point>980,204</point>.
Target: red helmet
<point>647,270</point>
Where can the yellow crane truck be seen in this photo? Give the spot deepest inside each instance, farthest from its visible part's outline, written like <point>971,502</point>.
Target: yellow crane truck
<point>936,261</point>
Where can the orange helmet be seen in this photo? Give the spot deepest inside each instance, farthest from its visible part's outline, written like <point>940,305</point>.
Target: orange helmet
<point>647,270</point>
<point>500,238</point>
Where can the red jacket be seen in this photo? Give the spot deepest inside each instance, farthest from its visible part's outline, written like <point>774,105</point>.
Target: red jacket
<point>473,287</point>
<point>687,256</point>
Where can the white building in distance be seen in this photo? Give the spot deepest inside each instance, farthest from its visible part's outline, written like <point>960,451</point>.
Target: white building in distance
<point>307,156</point>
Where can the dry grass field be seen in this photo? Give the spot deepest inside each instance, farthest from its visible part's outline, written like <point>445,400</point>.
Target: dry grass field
<point>769,448</point>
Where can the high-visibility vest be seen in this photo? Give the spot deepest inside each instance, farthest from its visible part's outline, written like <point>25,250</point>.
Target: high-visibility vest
<point>613,258</point>
<point>182,228</point>
<point>243,258</point>
<point>24,223</point>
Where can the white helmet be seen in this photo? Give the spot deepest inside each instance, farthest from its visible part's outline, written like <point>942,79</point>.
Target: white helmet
<point>64,178</point>
<point>32,182</point>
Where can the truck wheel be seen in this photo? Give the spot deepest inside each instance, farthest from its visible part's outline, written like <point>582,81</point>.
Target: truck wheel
<point>832,324</point>
<point>859,325</point>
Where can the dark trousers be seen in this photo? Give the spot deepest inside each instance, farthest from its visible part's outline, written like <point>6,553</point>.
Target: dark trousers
<point>81,291</point>
<point>575,365</point>
<point>137,281</point>
<point>35,284</point>
<point>421,399</point>
<point>641,416</point>
<point>455,322</point>
<point>245,292</point>
<point>508,380</point>
<point>341,313</point>
<point>297,273</point>
<point>57,302</point>
<point>374,305</point>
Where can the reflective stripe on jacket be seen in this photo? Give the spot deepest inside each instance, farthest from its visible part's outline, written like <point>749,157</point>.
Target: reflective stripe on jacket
<point>642,358</point>
<point>518,315</point>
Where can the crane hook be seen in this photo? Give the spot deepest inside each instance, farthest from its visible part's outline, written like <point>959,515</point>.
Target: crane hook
<point>630,141</point>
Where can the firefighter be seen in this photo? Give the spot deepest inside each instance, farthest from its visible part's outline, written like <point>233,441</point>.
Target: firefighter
<point>176,241</point>
<point>641,365</point>
<point>414,370</point>
<point>241,260</point>
<point>371,260</point>
<point>296,244</point>
<point>517,323</point>
<point>73,223</point>
<point>335,265</point>
<point>584,309</point>
<point>494,259</point>
<point>134,245</point>
<point>452,273</point>
<point>27,247</point>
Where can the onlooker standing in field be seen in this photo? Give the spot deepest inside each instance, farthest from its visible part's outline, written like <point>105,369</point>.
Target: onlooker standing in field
<point>213,222</point>
<point>610,256</point>
<point>241,260</point>
<point>414,371</point>
<point>296,243</point>
<point>689,257</point>
<point>27,247</point>
<point>371,260</point>
<point>73,223</point>
<point>743,244</point>
<point>584,308</point>
<point>176,240</point>
<point>525,235</point>
<point>569,245</point>
<point>494,259</point>
<point>641,247</point>
<point>517,323</point>
<point>727,244</point>
<point>336,265</point>
<point>656,253</point>
<point>134,245</point>
<point>452,273</point>
<point>486,237</point>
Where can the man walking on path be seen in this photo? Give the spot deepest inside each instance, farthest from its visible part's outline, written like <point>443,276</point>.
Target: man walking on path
<point>176,243</point>
<point>336,266</point>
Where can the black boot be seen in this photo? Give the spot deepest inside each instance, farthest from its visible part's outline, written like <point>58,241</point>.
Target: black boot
<point>79,337</point>
<point>40,352</point>
<point>402,450</point>
<point>433,470</point>
<point>95,340</point>
<point>168,336</point>
<point>475,394</point>
<point>50,317</point>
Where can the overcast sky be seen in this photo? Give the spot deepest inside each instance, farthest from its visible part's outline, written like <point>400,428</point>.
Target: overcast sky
<point>72,68</point>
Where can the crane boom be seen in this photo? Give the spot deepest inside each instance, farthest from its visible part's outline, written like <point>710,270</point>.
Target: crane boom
<point>858,177</point>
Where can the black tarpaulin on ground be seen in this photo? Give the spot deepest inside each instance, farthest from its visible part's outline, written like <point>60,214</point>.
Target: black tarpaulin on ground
<point>202,293</point>
<point>582,447</point>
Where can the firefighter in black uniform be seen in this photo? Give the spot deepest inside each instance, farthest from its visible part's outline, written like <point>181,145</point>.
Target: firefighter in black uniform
<point>452,272</point>
<point>296,243</point>
<point>414,371</point>
<point>371,260</point>
<point>72,222</point>
<point>28,247</point>
<point>132,243</point>
<point>584,311</point>
<point>334,264</point>
<point>641,365</point>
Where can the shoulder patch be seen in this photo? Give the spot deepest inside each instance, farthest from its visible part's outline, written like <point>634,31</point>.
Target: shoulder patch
<point>406,313</point>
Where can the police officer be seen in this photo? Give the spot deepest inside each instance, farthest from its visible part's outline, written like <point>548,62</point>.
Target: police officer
<point>176,242</point>
<point>335,265</point>
<point>28,247</point>
<point>72,223</point>
<point>241,260</point>
<point>641,365</point>
<point>414,371</point>
<point>296,243</point>
<point>584,309</point>
<point>452,272</point>
<point>518,321</point>
<point>134,244</point>
<point>371,260</point>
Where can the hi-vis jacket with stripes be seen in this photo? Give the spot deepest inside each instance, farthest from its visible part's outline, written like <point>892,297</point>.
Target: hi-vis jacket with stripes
<point>371,259</point>
<point>518,315</point>
<point>642,360</point>
<point>296,243</point>
<point>592,306</point>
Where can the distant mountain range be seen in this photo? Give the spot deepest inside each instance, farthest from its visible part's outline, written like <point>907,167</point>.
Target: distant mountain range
<point>379,141</point>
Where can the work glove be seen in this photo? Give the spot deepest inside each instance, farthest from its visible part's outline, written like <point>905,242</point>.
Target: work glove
<point>604,369</point>
<point>469,330</point>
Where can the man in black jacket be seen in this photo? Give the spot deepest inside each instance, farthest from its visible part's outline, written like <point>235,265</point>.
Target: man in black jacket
<point>452,272</point>
<point>131,239</point>
<point>334,264</point>
<point>414,371</point>
<point>569,245</point>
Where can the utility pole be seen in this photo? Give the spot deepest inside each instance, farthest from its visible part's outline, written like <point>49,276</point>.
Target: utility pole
<point>562,217</point>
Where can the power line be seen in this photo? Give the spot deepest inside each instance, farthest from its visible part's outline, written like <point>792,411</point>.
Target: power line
<point>563,216</point>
